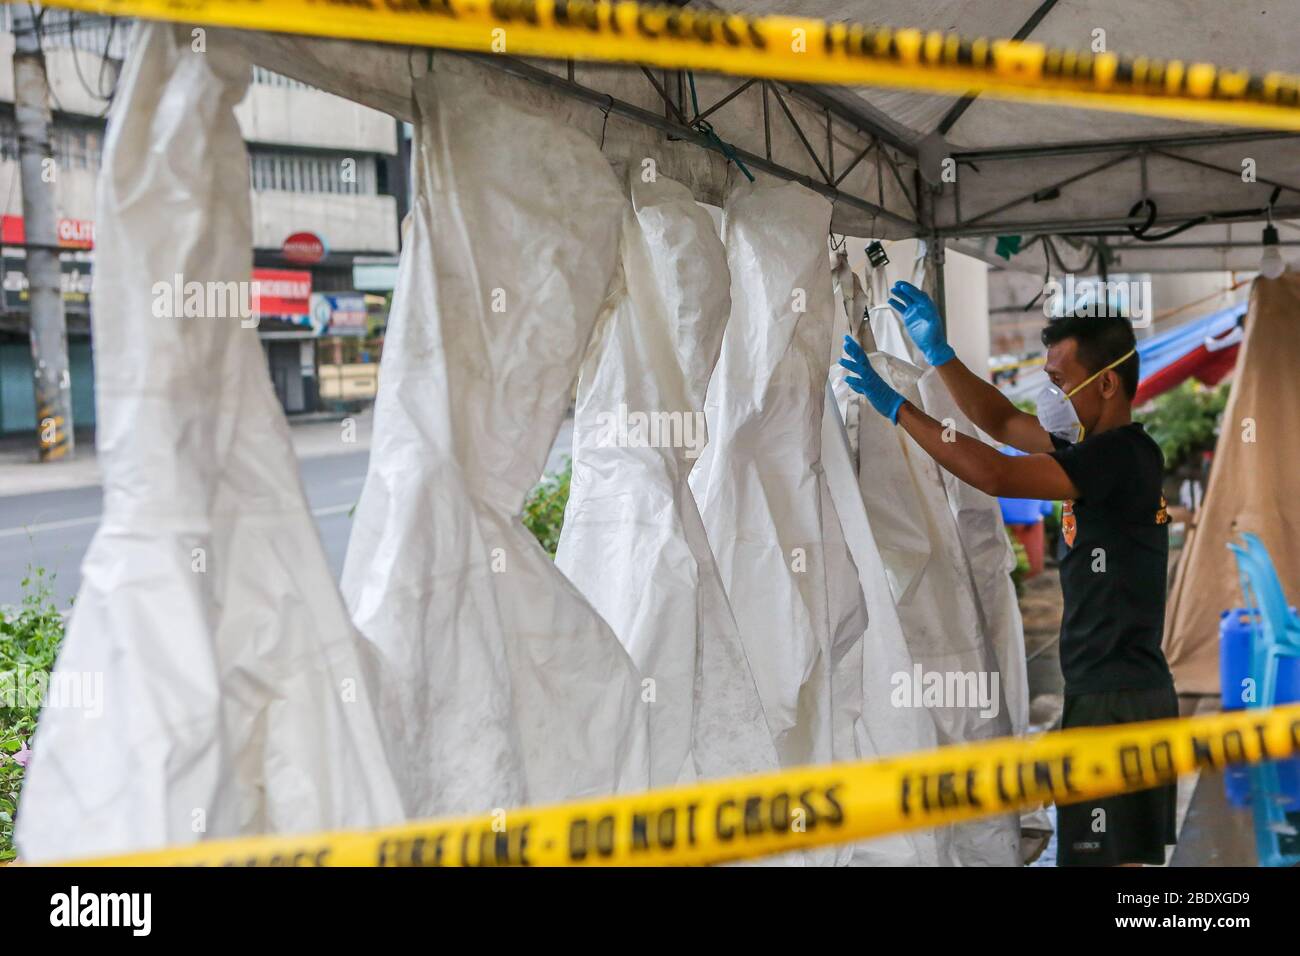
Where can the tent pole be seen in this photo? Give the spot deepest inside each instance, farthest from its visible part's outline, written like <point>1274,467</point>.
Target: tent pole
<point>1032,151</point>
<point>934,253</point>
<point>926,195</point>
<point>1033,228</point>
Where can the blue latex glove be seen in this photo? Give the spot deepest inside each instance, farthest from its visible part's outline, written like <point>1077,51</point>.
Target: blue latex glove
<point>922,321</point>
<point>865,381</point>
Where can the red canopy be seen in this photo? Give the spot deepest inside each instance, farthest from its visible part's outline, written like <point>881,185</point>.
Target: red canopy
<point>1200,363</point>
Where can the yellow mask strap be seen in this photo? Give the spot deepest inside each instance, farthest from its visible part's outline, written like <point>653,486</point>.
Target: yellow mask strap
<point>1118,361</point>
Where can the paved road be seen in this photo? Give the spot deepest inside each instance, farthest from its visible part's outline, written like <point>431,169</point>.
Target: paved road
<point>53,529</point>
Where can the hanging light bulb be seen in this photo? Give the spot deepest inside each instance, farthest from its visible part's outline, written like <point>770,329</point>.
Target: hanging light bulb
<point>1271,263</point>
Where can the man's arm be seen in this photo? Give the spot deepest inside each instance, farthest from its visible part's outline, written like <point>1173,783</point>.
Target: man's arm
<point>991,411</point>
<point>984,467</point>
<point>981,402</point>
<point>977,464</point>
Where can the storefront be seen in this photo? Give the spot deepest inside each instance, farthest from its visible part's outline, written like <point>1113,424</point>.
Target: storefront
<point>315,323</point>
<point>282,301</point>
<point>303,295</point>
<point>17,399</point>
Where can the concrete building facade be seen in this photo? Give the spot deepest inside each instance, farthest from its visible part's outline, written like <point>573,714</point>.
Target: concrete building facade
<point>327,185</point>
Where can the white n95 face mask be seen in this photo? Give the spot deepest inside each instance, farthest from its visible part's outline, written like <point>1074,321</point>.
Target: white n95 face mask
<point>1057,415</point>
<point>1056,412</point>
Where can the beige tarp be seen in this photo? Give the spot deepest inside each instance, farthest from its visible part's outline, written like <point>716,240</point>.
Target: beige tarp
<point>1254,486</point>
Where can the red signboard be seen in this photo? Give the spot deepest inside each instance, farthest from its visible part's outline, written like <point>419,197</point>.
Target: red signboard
<point>281,292</point>
<point>72,233</point>
<point>305,247</point>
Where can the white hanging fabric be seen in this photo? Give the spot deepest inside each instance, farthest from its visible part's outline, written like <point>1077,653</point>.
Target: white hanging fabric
<point>979,524</point>
<point>633,541</point>
<point>761,489</point>
<point>501,684</point>
<point>235,692</point>
<point>907,502</point>
<point>887,329</point>
<point>867,725</point>
<point>990,558</point>
<point>847,617</point>
<point>850,314</point>
<point>890,336</point>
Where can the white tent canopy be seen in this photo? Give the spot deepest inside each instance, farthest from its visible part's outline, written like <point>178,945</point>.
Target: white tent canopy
<point>1023,169</point>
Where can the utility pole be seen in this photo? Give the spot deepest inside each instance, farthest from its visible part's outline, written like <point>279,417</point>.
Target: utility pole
<point>49,331</point>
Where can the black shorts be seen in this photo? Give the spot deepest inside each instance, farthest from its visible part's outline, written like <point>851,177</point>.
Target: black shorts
<point>1134,827</point>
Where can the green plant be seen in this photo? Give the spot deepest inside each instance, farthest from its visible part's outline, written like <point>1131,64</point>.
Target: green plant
<point>1021,570</point>
<point>1052,529</point>
<point>30,635</point>
<point>1184,421</point>
<point>544,507</point>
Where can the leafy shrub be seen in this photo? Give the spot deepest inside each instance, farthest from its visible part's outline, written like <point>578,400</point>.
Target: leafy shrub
<point>1184,421</point>
<point>30,635</point>
<point>1021,570</point>
<point>544,508</point>
<point>1052,530</point>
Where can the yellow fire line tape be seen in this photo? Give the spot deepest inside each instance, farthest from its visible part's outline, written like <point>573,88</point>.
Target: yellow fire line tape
<point>753,816</point>
<point>773,47</point>
<point>1023,363</point>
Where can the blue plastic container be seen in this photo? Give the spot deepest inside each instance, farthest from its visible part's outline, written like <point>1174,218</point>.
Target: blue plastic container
<point>1234,662</point>
<point>1021,510</point>
<point>1235,635</point>
<point>1238,787</point>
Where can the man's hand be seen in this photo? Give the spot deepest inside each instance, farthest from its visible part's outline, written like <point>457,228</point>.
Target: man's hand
<point>983,404</point>
<point>977,464</point>
<point>865,381</point>
<point>922,321</point>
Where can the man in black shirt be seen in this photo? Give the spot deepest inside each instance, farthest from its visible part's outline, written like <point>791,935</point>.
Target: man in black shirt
<point>1083,449</point>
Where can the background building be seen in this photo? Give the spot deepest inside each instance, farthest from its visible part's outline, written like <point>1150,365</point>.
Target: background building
<point>325,171</point>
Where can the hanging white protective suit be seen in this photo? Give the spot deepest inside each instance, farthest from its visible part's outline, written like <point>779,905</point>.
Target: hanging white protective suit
<point>501,685</point>
<point>957,671</point>
<point>979,521</point>
<point>851,304</point>
<point>236,698</point>
<point>867,724</point>
<point>886,329</point>
<point>990,560</point>
<point>761,492</point>
<point>633,541</point>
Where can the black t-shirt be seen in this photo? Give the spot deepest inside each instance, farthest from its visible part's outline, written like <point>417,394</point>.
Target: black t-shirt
<point>1113,573</point>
